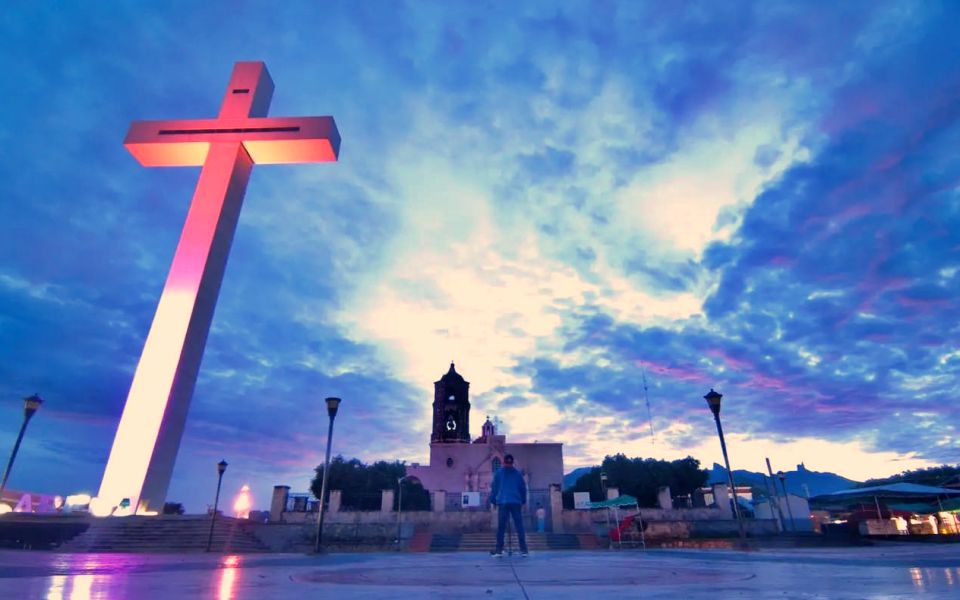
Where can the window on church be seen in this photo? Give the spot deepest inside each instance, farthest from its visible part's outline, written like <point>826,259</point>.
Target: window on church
<point>496,465</point>
<point>450,462</point>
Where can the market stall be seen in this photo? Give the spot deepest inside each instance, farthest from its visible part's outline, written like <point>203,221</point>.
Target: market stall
<point>628,529</point>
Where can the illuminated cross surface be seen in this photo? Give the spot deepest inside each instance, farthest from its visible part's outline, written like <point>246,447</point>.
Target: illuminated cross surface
<point>141,461</point>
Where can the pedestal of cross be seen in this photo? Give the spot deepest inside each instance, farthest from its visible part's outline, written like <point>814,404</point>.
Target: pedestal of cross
<point>151,426</point>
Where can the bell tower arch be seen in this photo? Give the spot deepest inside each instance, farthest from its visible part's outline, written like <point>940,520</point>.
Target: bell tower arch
<point>451,408</point>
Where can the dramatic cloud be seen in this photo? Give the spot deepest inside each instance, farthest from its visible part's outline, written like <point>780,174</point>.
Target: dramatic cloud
<point>568,201</point>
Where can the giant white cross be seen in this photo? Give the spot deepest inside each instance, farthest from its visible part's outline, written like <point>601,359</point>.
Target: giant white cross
<point>145,448</point>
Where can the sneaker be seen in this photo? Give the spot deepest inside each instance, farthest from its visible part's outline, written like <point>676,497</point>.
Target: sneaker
<point>524,554</point>
<point>496,553</point>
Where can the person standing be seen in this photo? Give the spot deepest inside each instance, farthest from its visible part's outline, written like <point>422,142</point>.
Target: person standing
<point>509,494</point>
<point>541,518</point>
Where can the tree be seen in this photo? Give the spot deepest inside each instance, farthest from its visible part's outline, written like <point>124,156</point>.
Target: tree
<point>361,485</point>
<point>172,508</point>
<point>641,478</point>
<point>932,476</point>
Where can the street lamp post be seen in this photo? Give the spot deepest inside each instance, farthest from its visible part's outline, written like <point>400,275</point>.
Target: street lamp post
<point>713,401</point>
<point>603,494</point>
<point>332,405</point>
<point>399,506</point>
<point>786,498</point>
<point>30,406</point>
<point>221,467</point>
<point>776,497</point>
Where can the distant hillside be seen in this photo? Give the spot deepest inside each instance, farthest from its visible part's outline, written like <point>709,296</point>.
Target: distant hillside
<point>815,481</point>
<point>801,482</point>
<point>570,479</point>
<point>944,475</point>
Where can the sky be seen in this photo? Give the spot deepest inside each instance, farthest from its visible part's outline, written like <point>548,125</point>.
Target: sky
<point>567,199</point>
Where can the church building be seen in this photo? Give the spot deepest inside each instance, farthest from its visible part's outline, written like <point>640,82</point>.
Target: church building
<point>458,464</point>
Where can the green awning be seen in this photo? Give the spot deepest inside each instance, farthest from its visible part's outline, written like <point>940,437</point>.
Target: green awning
<point>916,508</point>
<point>927,508</point>
<point>903,491</point>
<point>951,505</point>
<point>624,500</point>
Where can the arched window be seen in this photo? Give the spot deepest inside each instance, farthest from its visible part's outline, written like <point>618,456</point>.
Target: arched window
<point>496,465</point>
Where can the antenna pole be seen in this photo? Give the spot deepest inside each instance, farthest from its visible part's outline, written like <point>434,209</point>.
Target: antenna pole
<point>653,438</point>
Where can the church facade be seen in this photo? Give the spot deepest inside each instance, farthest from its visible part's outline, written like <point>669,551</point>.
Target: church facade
<point>459,465</point>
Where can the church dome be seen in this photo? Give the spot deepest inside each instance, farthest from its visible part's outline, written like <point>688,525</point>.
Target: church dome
<point>452,376</point>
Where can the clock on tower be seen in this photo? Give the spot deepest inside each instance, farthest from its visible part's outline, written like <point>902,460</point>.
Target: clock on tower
<point>451,409</point>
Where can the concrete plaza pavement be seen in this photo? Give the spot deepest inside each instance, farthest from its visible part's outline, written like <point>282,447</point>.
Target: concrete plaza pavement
<point>887,571</point>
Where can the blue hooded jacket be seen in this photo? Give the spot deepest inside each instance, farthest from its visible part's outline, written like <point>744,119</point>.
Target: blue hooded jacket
<point>508,487</point>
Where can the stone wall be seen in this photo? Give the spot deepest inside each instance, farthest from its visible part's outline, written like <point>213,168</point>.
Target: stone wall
<point>379,528</point>
<point>337,537</point>
<point>754,527</point>
<point>376,531</point>
<point>668,523</point>
<point>434,522</point>
<point>682,521</point>
<point>593,521</point>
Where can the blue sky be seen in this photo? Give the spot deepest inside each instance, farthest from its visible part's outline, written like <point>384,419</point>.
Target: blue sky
<point>760,198</point>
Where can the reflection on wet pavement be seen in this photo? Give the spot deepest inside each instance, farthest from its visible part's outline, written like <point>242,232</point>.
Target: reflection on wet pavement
<point>78,587</point>
<point>891,571</point>
<point>228,577</point>
<point>947,577</point>
<point>102,576</point>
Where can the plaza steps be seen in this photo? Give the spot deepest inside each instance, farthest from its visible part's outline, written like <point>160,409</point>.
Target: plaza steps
<point>480,542</point>
<point>39,531</point>
<point>445,542</point>
<point>165,534</point>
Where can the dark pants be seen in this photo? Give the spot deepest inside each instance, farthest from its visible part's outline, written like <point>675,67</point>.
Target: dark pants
<point>504,511</point>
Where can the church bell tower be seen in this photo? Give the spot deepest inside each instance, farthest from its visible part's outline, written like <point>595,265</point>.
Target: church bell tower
<point>451,409</point>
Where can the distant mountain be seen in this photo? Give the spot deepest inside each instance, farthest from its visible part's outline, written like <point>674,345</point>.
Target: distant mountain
<point>801,482</point>
<point>570,479</point>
